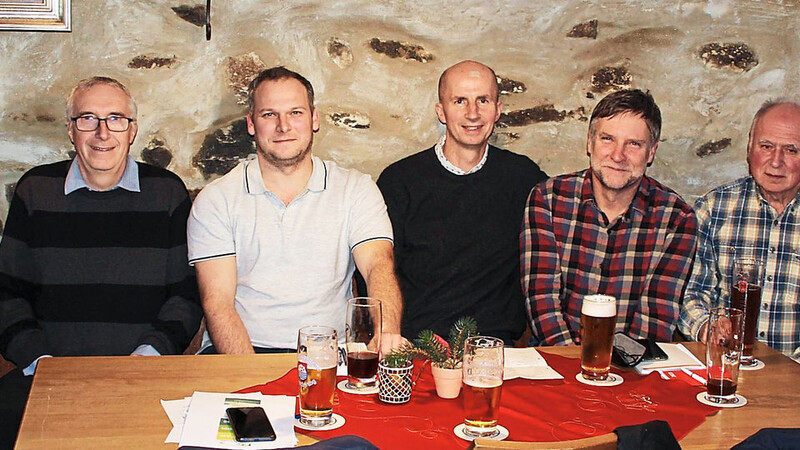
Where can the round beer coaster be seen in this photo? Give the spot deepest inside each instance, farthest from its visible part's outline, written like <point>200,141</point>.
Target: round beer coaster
<point>738,402</point>
<point>757,366</point>
<point>612,380</point>
<point>502,433</point>
<point>336,422</point>
<point>363,391</point>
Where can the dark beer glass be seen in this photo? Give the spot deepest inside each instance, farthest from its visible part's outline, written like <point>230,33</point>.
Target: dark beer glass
<point>598,320</point>
<point>746,295</point>
<point>363,341</point>
<point>723,350</point>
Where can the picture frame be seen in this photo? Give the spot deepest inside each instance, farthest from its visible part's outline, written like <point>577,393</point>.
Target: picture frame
<point>35,15</point>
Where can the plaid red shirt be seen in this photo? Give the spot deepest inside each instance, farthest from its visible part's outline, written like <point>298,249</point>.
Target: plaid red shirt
<point>569,249</point>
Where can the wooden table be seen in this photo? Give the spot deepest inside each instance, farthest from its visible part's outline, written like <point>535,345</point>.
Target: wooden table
<point>113,402</point>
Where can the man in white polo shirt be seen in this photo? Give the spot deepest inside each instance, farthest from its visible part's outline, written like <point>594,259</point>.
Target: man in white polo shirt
<point>275,242</point>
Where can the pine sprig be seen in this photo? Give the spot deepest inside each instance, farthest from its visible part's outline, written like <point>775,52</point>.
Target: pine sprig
<point>463,329</point>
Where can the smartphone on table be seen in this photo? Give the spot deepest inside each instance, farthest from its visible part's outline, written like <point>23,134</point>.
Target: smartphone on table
<point>250,424</point>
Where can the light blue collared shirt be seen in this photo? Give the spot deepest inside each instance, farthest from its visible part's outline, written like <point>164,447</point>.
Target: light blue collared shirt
<point>129,180</point>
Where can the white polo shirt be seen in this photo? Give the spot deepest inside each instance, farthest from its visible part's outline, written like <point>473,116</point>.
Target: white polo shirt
<point>294,263</point>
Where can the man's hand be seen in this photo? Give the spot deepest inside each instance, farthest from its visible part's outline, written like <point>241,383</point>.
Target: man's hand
<point>391,341</point>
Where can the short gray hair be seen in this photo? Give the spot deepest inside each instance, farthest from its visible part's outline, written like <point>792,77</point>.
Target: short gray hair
<point>94,81</point>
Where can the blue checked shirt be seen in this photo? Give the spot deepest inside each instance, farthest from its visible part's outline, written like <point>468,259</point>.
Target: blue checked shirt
<point>736,221</point>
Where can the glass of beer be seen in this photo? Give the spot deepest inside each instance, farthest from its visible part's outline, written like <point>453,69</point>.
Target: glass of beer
<point>723,350</point>
<point>598,320</point>
<point>746,295</point>
<point>363,340</point>
<point>317,356</point>
<point>483,382</point>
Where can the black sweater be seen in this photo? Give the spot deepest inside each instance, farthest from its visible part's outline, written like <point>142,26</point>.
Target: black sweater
<point>96,273</point>
<point>457,241</point>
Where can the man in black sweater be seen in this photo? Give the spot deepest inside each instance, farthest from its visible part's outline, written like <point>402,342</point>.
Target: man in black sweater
<point>456,210</point>
<point>93,258</point>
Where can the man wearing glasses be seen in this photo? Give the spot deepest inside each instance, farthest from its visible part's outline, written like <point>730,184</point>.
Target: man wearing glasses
<point>93,258</point>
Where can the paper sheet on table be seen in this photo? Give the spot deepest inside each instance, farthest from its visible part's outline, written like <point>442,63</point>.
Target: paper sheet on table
<point>176,411</point>
<point>206,424</point>
<point>677,357</point>
<point>527,363</point>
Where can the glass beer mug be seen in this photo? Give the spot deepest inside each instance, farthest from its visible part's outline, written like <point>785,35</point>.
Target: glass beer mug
<point>317,357</point>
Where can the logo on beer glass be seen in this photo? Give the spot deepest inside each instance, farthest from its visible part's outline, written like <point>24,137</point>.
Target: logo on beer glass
<point>598,320</point>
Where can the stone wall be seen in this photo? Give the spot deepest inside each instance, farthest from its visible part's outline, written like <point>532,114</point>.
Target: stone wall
<point>374,65</point>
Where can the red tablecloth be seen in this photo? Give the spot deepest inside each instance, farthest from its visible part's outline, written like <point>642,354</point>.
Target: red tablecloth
<point>541,410</point>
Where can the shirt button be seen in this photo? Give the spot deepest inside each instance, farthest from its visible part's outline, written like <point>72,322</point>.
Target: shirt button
<point>774,223</point>
<point>769,277</point>
<point>761,334</point>
<point>772,249</point>
<point>766,306</point>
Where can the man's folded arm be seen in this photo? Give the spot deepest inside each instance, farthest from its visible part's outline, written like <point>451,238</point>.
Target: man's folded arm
<point>541,273</point>
<point>659,305</point>
<point>702,290</point>
<point>375,261</point>
<point>217,281</point>
<point>180,315</point>
<point>22,339</point>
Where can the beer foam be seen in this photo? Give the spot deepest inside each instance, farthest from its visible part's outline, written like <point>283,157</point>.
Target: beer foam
<point>599,306</point>
<point>483,382</point>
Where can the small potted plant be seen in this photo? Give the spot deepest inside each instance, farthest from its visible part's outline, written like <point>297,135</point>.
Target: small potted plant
<point>394,378</point>
<point>445,355</point>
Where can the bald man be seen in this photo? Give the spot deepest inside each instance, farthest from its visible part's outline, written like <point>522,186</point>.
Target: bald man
<point>456,210</point>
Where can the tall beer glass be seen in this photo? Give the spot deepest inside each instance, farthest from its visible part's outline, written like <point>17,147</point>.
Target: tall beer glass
<point>483,383</point>
<point>746,295</point>
<point>723,349</point>
<point>363,340</point>
<point>598,320</point>
<point>317,354</point>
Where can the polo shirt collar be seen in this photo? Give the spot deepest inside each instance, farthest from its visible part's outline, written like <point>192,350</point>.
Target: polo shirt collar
<point>129,180</point>
<point>254,184</point>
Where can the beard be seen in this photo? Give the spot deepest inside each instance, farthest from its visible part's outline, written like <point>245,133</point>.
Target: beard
<point>616,186</point>
<point>284,163</point>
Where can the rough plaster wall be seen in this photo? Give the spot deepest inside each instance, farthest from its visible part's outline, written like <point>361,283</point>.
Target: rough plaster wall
<point>374,65</point>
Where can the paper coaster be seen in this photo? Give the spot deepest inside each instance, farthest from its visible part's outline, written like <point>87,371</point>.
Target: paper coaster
<point>363,391</point>
<point>502,433</point>
<point>336,422</point>
<point>737,403</point>
<point>612,380</point>
<point>757,366</point>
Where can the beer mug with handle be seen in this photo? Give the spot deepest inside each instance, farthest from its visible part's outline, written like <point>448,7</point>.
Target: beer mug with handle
<point>363,340</point>
<point>483,383</point>
<point>317,357</point>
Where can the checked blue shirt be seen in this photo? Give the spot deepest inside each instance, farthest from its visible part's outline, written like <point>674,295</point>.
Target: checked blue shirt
<point>736,221</point>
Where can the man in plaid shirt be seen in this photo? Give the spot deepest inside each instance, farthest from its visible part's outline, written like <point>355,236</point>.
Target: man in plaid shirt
<point>608,230</point>
<point>757,217</point>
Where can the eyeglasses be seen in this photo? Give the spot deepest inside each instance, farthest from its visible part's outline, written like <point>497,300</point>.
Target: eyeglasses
<point>90,122</point>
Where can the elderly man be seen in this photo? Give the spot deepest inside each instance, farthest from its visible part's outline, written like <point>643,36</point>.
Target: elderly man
<point>276,241</point>
<point>455,209</point>
<point>757,217</point>
<point>93,257</point>
<point>609,230</point>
